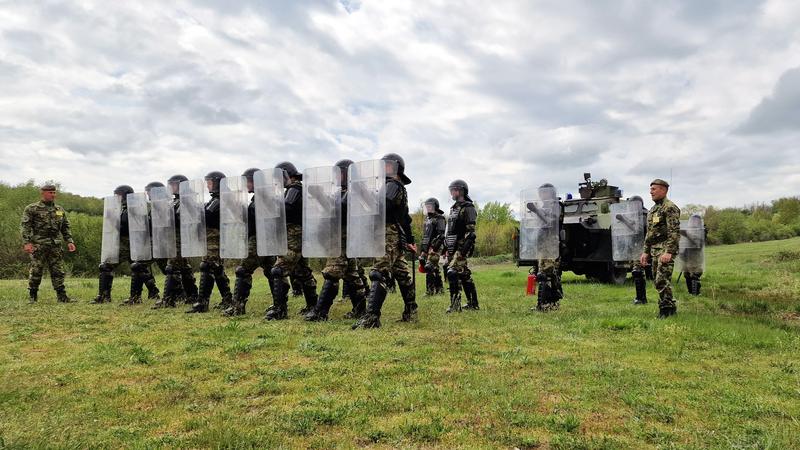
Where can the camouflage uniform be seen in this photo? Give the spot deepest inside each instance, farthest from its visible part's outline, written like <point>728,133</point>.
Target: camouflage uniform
<point>663,234</point>
<point>293,262</point>
<point>550,291</point>
<point>43,225</point>
<point>432,239</point>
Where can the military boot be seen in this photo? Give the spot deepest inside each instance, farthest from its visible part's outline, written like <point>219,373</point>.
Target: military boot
<point>377,295</point>
<point>204,295</point>
<point>641,287</point>
<point>327,294</point>
<point>241,292</point>
<point>224,287</point>
<point>409,294</point>
<point>152,288</point>
<point>472,296</point>
<point>310,295</point>
<point>104,284</point>
<point>280,298</point>
<point>346,288</point>
<point>543,294</point>
<point>297,287</point>
<point>187,286</point>
<point>359,303</point>
<point>455,292</point>
<point>33,295</point>
<point>135,295</point>
<point>61,295</point>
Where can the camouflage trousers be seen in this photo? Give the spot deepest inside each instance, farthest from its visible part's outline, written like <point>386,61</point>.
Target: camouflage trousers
<point>293,262</point>
<point>663,277</point>
<point>347,269</point>
<point>393,264</point>
<point>248,266</point>
<point>212,258</point>
<point>459,264</point>
<point>552,284</point>
<point>48,257</point>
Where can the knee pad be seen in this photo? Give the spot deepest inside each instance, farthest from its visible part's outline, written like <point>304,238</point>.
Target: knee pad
<point>328,276</point>
<point>429,268</point>
<point>376,275</point>
<point>637,273</point>
<point>138,267</point>
<point>276,272</point>
<point>169,270</point>
<point>241,271</point>
<point>452,275</point>
<point>105,267</point>
<point>205,266</point>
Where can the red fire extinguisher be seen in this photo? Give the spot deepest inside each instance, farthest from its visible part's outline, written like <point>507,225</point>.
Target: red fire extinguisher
<point>531,289</point>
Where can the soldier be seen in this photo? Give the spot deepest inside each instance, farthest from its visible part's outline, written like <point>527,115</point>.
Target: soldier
<point>549,276</point>
<point>432,239</point>
<point>293,261</point>
<point>399,239</point>
<point>661,243</point>
<point>692,255</point>
<point>244,272</point>
<point>212,269</point>
<point>43,226</point>
<point>340,268</point>
<point>179,275</point>
<point>141,272</point>
<point>106,277</point>
<point>460,243</point>
<point>638,272</point>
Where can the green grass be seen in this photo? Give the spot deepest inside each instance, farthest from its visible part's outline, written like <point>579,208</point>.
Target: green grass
<point>598,374</point>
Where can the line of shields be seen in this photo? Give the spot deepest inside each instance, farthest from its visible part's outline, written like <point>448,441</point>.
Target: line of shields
<point>163,224</point>
<point>540,230</point>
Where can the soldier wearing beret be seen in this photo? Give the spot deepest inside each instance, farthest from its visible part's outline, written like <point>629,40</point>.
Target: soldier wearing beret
<point>44,228</point>
<point>661,244</point>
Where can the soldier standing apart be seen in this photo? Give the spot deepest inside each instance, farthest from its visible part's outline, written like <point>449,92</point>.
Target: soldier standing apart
<point>661,244</point>
<point>293,262</point>
<point>638,273</point>
<point>211,267</point>
<point>432,240</point>
<point>43,226</point>
<point>692,256</point>
<point>340,268</point>
<point>399,239</point>
<point>106,278</point>
<point>460,243</point>
<point>549,276</point>
<point>179,275</point>
<point>247,266</point>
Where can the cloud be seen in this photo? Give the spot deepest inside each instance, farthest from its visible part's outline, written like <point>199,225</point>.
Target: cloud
<point>778,112</point>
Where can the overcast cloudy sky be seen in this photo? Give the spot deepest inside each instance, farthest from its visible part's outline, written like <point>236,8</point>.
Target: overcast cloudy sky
<point>504,94</point>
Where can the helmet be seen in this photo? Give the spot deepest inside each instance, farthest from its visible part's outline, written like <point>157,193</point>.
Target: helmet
<point>249,173</point>
<point>343,164</point>
<point>459,184</point>
<point>289,169</point>
<point>153,184</point>
<point>177,179</point>
<point>435,203</point>
<point>214,176</point>
<point>401,165</point>
<point>547,192</point>
<point>123,190</point>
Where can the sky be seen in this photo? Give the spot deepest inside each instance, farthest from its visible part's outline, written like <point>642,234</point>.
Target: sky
<point>505,95</point>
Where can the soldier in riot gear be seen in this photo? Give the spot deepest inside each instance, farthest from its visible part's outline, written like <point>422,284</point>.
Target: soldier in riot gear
<point>293,262</point>
<point>399,239</point>
<point>247,266</point>
<point>340,268</point>
<point>549,276</point>
<point>141,270</point>
<point>638,272</point>
<point>460,243</point>
<point>179,278</point>
<point>432,240</point>
<point>691,253</point>
<point>211,267</point>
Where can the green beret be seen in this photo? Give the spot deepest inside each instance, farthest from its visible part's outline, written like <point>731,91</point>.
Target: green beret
<point>660,182</point>
<point>48,187</point>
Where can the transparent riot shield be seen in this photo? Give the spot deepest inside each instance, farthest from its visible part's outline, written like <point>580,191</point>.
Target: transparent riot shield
<point>627,230</point>
<point>112,209</point>
<point>233,218</point>
<point>271,237</point>
<point>139,227</point>
<point>366,209</point>
<point>162,218</point>
<point>539,224</point>
<point>193,218</point>
<point>691,253</point>
<point>322,212</point>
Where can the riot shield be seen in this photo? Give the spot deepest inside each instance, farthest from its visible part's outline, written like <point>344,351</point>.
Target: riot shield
<point>539,224</point>
<point>162,217</point>
<point>139,227</point>
<point>627,230</point>
<point>112,209</point>
<point>193,218</point>
<point>691,253</point>
<point>366,209</point>
<point>233,218</point>
<point>322,212</point>
<point>271,237</point>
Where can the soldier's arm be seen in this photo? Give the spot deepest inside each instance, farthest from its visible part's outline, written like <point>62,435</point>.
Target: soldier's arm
<point>66,231</point>
<point>26,226</point>
<point>470,217</point>
<point>673,214</point>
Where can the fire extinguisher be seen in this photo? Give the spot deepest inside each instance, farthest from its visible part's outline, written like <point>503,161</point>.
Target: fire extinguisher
<point>531,289</point>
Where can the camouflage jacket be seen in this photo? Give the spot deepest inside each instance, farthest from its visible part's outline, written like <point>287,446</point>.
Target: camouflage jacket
<point>663,227</point>
<point>45,224</point>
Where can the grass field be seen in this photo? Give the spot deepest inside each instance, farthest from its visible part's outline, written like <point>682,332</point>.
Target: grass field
<point>599,373</point>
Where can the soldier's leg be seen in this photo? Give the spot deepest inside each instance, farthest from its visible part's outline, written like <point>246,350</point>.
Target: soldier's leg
<point>186,283</point>
<point>362,275</point>
<point>150,281</point>
<point>408,291</point>
<point>57,274</point>
<point>297,285</point>
<point>104,283</point>
<point>380,275</point>
<point>544,301</point>
<point>170,282</point>
<point>640,284</point>
<point>332,273</point>
<point>267,263</point>
<point>309,284</point>
<point>138,274</point>
<point>454,269</point>
<point>663,279</point>
<point>696,282</point>
<point>470,291</point>
<point>206,285</point>
<point>358,291</point>
<point>35,273</point>
<point>223,284</point>
<point>244,282</point>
